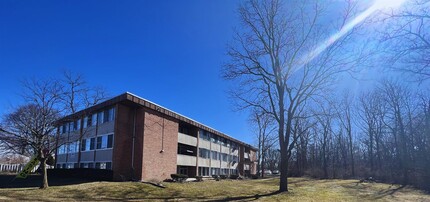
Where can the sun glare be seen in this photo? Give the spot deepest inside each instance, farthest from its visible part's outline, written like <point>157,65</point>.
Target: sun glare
<point>388,4</point>
<point>378,5</point>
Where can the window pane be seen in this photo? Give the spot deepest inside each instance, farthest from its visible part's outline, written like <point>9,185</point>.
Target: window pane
<point>100,117</point>
<point>99,142</point>
<point>104,142</point>
<point>94,120</point>
<point>85,124</point>
<point>92,143</point>
<point>83,145</point>
<point>110,139</point>
<point>105,116</point>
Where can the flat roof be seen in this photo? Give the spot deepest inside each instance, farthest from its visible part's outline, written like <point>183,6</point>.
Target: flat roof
<point>127,96</point>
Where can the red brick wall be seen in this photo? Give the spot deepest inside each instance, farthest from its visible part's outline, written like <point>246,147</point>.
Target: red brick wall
<point>121,148</point>
<point>123,141</point>
<point>159,165</point>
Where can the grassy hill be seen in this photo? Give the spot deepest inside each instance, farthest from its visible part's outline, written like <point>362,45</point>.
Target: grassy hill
<point>301,189</point>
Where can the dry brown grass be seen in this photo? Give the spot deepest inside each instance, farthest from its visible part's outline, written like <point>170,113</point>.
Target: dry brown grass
<point>301,189</point>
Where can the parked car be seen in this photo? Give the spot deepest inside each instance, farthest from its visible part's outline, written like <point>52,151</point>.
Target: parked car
<point>275,172</point>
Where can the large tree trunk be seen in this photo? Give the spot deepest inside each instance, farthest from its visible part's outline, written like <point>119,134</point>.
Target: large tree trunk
<point>44,184</point>
<point>283,181</point>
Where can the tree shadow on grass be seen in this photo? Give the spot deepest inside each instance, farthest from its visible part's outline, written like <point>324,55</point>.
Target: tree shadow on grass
<point>388,192</point>
<point>368,191</point>
<point>250,197</point>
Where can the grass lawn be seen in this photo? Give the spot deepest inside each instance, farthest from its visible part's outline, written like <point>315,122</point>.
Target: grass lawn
<point>301,189</point>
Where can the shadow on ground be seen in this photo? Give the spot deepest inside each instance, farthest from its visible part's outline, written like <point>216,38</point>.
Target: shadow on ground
<point>9,181</point>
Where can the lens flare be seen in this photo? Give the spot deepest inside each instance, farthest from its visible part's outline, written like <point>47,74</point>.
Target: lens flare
<point>377,5</point>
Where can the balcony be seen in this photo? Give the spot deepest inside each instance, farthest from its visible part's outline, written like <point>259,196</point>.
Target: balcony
<point>185,160</point>
<point>187,139</point>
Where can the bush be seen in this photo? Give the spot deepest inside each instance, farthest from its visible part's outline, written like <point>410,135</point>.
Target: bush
<point>234,177</point>
<point>216,177</point>
<point>199,178</point>
<point>179,177</point>
<point>223,177</point>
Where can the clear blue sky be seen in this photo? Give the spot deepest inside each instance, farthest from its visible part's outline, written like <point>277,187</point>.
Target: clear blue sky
<point>169,52</point>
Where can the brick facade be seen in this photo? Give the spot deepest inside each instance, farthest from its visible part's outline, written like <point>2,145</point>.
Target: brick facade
<point>145,140</point>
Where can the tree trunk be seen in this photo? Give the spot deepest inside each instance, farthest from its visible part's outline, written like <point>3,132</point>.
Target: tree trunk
<point>283,181</point>
<point>44,184</point>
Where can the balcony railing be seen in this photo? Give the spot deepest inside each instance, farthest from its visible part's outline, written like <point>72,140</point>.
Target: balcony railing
<point>187,139</point>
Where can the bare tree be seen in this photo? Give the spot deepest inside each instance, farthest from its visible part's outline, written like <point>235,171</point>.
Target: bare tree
<point>265,137</point>
<point>345,118</point>
<point>280,65</point>
<point>30,129</point>
<point>407,39</point>
<point>77,94</point>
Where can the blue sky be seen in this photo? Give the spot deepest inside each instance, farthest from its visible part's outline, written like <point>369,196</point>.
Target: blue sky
<point>169,52</point>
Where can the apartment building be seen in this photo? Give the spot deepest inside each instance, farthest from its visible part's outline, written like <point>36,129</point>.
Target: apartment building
<point>140,140</point>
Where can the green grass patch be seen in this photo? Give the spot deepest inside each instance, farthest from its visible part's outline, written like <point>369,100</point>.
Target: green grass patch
<point>301,189</point>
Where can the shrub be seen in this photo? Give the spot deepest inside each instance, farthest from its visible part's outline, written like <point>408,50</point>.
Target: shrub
<point>199,178</point>
<point>179,177</point>
<point>223,177</point>
<point>216,177</point>
<point>234,177</point>
<point>254,176</point>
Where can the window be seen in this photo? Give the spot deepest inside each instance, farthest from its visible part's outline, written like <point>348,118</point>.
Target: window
<point>183,170</point>
<point>214,171</point>
<point>104,142</point>
<point>110,141</point>
<point>100,117</point>
<point>221,141</point>
<point>62,149</point>
<point>94,119</point>
<point>214,155</point>
<point>83,144</point>
<point>204,171</point>
<point>76,125</point>
<point>85,123</point>
<point>73,147</point>
<point>186,149</point>
<point>92,143</point>
<point>99,142</point>
<point>184,129</point>
<point>204,135</point>
<point>214,138</point>
<point>86,145</point>
<point>65,128</point>
<point>224,157</point>
<point>204,153</point>
<point>109,115</point>
<point>102,165</point>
